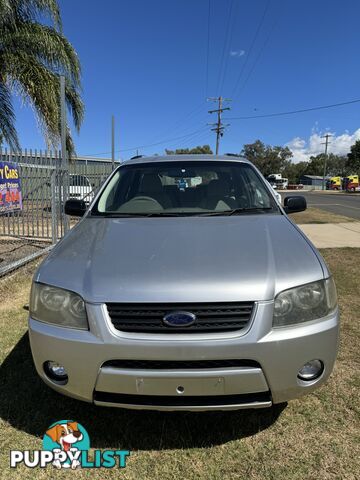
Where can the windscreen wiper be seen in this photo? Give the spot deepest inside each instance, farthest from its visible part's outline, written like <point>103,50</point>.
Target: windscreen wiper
<point>135,214</point>
<point>168,214</point>
<point>238,211</point>
<point>235,211</point>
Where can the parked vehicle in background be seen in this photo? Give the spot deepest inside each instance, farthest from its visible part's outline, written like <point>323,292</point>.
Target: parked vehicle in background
<point>79,187</point>
<point>334,183</point>
<point>277,194</point>
<point>277,181</point>
<point>200,298</point>
<point>351,183</point>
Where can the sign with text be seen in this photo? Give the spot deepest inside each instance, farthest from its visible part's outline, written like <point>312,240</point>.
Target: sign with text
<point>10,188</point>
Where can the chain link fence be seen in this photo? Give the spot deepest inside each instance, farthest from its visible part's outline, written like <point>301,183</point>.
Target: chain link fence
<point>32,230</point>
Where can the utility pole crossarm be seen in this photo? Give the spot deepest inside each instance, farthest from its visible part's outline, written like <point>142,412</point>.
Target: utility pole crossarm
<point>219,110</point>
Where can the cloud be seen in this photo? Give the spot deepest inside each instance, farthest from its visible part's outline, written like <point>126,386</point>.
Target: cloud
<point>237,53</point>
<point>303,149</point>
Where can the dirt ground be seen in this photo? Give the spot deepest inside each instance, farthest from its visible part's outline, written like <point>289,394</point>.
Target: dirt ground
<point>13,249</point>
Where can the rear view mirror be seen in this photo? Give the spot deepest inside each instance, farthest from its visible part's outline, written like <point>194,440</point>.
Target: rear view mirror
<point>294,204</point>
<point>75,207</point>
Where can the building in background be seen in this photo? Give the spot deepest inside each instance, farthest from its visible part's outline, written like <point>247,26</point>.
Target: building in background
<point>314,181</point>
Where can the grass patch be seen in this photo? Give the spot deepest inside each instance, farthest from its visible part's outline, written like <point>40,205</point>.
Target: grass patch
<point>316,437</point>
<point>316,215</point>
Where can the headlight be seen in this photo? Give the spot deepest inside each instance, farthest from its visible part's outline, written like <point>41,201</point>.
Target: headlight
<point>305,303</point>
<point>57,306</point>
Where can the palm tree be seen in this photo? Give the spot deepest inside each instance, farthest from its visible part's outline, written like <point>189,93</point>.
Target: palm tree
<point>33,54</point>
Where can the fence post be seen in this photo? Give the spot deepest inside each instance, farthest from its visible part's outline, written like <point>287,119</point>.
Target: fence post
<point>54,225</point>
<point>64,158</point>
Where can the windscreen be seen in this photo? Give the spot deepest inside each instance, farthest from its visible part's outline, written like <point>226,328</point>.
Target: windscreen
<point>184,188</point>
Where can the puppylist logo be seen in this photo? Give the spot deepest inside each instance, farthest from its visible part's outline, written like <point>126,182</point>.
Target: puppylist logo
<point>66,444</point>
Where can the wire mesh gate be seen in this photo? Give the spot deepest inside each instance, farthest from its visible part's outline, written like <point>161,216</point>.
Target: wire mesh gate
<point>45,185</point>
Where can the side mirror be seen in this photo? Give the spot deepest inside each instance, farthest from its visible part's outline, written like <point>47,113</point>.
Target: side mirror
<point>294,204</point>
<point>75,207</point>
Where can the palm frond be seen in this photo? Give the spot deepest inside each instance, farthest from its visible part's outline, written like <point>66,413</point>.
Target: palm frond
<point>40,87</point>
<point>74,104</point>
<point>32,57</point>
<point>6,10</point>
<point>50,47</point>
<point>24,10</point>
<point>7,118</point>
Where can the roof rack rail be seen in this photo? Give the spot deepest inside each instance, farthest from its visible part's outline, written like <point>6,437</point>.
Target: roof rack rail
<point>137,156</point>
<point>232,155</point>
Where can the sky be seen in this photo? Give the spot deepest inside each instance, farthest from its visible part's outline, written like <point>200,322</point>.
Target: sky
<point>152,64</point>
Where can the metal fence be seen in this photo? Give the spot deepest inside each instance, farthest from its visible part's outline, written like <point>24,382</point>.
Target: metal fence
<point>45,185</point>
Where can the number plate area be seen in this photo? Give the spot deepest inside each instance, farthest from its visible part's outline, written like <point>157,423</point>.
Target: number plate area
<point>179,382</point>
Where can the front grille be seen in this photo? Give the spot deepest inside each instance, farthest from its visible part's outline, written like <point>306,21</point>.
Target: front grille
<point>182,401</point>
<point>179,364</point>
<point>148,317</point>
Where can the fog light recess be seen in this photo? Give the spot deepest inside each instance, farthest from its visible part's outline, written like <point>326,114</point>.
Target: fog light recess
<point>311,370</point>
<point>56,372</point>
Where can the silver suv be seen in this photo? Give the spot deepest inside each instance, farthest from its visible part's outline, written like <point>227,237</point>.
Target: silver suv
<point>185,286</point>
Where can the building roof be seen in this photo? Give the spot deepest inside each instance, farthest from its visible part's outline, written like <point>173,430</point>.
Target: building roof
<point>313,177</point>
<point>81,158</point>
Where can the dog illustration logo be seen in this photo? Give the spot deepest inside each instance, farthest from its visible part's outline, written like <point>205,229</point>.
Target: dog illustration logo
<point>66,444</point>
<point>69,437</point>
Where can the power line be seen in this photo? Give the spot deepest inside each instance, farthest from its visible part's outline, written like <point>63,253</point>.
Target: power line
<point>170,142</point>
<point>196,139</point>
<point>191,115</point>
<point>293,112</point>
<point>149,144</point>
<point>229,45</point>
<point>261,51</point>
<point>208,49</point>
<point>226,40</point>
<point>251,48</point>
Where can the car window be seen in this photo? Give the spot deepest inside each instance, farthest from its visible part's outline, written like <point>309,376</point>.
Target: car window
<point>185,188</point>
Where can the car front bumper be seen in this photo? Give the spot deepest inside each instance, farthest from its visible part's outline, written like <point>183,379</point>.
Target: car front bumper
<point>271,359</point>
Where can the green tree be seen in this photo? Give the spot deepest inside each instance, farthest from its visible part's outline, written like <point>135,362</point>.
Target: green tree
<point>316,165</point>
<point>294,171</point>
<point>204,149</point>
<point>268,159</point>
<point>336,165</point>
<point>33,53</point>
<point>353,159</point>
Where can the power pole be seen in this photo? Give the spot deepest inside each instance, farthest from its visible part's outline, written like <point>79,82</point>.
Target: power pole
<point>113,142</point>
<point>219,127</point>
<point>326,143</point>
